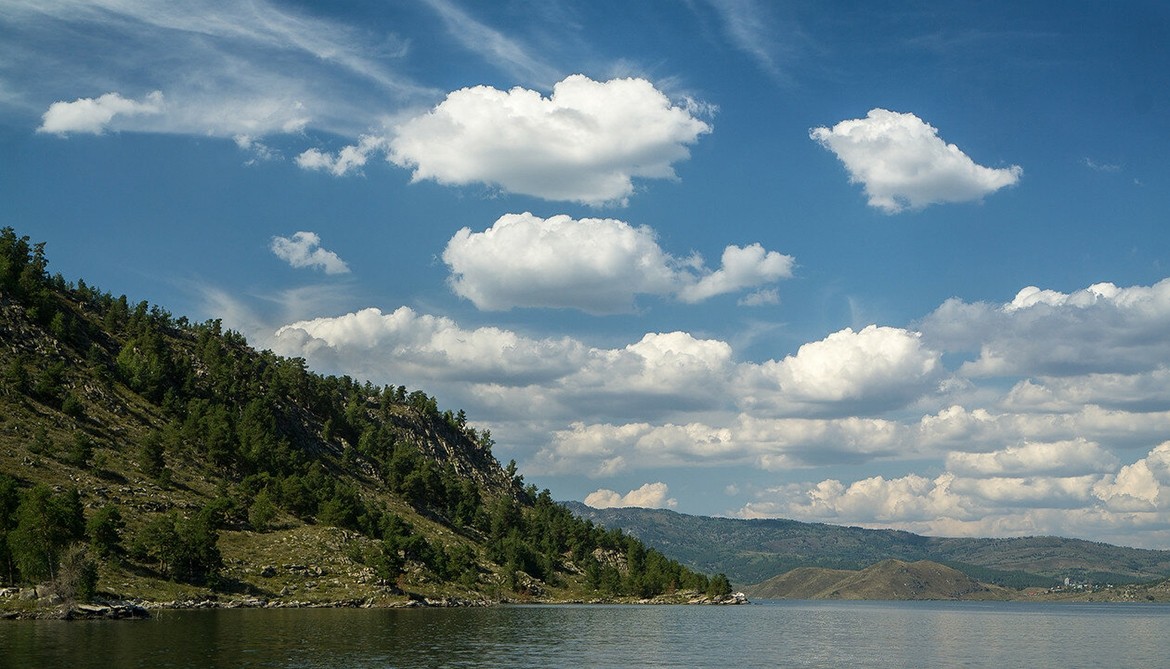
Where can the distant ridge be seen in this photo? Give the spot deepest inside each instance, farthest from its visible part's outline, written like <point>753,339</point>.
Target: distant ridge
<point>751,551</point>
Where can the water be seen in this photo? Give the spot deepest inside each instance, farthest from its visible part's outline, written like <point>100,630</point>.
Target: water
<point>769,634</point>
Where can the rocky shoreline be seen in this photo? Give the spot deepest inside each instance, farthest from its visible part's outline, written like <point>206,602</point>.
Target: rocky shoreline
<point>140,610</point>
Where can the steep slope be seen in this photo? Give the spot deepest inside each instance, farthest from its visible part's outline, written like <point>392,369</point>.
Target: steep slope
<point>886,580</point>
<point>183,464</point>
<point>750,551</point>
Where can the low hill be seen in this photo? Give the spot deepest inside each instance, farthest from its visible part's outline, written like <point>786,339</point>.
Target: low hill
<point>750,551</point>
<point>886,580</point>
<point>169,460</point>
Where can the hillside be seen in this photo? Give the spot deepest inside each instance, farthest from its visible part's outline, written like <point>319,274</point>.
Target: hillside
<point>886,580</point>
<point>751,551</point>
<point>172,462</point>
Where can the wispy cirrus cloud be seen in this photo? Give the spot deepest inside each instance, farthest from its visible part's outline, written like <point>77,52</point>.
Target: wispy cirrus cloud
<point>223,69</point>
<point>752,29</point>
<point>506,52</point>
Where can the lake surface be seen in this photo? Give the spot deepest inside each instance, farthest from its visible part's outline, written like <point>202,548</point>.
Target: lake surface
<point>768,634</point>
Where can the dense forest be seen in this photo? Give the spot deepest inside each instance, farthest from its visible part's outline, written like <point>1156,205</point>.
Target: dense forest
<point>145,455</point>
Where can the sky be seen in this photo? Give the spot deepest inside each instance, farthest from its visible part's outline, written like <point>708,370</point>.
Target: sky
<point>885,264</point>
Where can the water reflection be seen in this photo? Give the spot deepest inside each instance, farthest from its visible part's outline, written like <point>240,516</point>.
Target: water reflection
<point>781,634</point>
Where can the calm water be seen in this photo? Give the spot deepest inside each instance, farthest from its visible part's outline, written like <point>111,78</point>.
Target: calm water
<point>770,634</point>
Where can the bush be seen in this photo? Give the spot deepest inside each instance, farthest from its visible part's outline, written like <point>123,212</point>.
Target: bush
<point>262,511</point>
<point>77,575</point>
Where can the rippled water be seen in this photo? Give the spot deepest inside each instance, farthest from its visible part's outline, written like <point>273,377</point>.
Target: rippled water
<point>769,634</point>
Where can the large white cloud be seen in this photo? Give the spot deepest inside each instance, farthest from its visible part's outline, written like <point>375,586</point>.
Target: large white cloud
<point>595,265</point>
<point>585,143</point>
<point>876,368</point>
<point>96,115</point>
<point>649,496</point>
<point>1101,329</point>
<point>304,249</point>
<point>903,163</point>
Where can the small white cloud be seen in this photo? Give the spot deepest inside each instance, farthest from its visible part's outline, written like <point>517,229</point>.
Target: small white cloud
<point>304,250</point>
<point>95,115</point>
<point>350,159</point>
<point>260,151</point>
<point>744,267</point>
<point>585,143</point>
<point>595,265</point>
<point>649,496</point>
<point>760,298</point>
<point>1101,167</point>
<point>903,163</point>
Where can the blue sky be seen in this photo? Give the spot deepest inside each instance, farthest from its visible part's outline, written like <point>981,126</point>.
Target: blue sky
<point>881,264</point>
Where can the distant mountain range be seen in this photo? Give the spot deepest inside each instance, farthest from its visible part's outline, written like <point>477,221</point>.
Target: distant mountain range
<point>752,551</point>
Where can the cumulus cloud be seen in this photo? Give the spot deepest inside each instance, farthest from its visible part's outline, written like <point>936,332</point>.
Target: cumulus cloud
<point>1141,486</point>
<point>903,163</point>
<point>875,368</point>
<point>1032,456</point>
<point>1064,458</point>
<point>304,249</point>
<point>1016,491</point>
<point>419,346</point>
<point>742,267</point>
<point>1102,329</point>
<point>96,115</point>
<point>649,496</point>
<point>768,444</point>
<point>595,265</point>
<point>584,143</point>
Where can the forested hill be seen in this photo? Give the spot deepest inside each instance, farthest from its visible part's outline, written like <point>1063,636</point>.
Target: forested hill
<point>752,551</point>
<point>168,460</point>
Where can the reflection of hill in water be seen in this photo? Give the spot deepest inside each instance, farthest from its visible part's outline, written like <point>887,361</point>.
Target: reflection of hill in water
<point>888,580</point>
